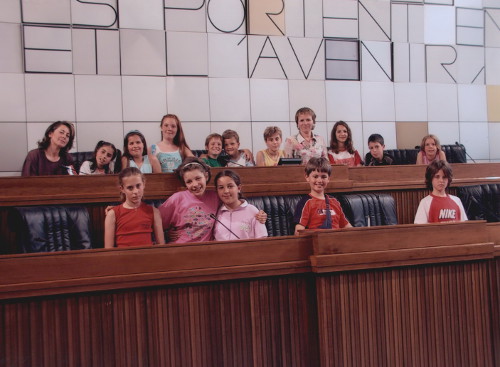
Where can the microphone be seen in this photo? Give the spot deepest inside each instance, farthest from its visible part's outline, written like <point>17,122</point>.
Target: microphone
<point>214,217</point>
<point>465,151</point>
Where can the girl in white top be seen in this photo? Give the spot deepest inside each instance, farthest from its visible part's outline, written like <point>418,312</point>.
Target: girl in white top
<point>341,149</point>
<point>102,161</point>
<point>172,149</point>
<point>135,154</point>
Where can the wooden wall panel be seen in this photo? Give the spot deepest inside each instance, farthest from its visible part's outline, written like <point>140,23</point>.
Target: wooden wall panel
<point>262,322</point>
<point>416,316</point>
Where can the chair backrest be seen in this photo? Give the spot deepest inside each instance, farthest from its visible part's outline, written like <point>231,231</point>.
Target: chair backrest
<point>51,228</point>
<point>455,153</point>
<point>280,211</point>
<point>481,202</point>
<point>403,156</point>
<point>364,210</point>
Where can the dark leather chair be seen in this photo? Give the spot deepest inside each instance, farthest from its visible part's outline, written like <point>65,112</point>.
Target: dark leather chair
<point>481,202</point>
<point>280,211</point>
<point>51,228</point>
<point>454,154</point>
<point>403,156</point>
<point>364,210</point>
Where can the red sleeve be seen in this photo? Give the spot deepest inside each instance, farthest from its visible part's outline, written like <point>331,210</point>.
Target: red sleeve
<point>357,159</point>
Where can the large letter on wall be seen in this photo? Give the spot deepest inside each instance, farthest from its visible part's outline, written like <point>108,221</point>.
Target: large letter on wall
<point>266,17</point>
<point>47,49</point>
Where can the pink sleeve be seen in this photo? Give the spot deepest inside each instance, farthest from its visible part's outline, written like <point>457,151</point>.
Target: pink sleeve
<point>168,212</point>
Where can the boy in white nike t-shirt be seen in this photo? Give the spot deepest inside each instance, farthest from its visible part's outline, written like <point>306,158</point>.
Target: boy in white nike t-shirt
<point>439,206</point>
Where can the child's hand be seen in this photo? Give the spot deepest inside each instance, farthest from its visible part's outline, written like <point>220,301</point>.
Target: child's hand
<point>173,234</point>
<point>261,216</point>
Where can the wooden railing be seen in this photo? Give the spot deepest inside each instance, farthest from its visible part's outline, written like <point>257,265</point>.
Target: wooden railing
<point>405,295</point>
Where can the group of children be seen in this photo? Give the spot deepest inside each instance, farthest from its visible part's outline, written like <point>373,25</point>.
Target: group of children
<point>197,214</point>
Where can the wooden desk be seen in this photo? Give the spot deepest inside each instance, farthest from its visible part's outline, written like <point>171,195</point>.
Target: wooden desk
<point>386,296</point>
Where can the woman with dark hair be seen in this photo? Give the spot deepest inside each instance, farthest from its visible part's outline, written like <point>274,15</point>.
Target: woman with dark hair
<point>52,157</point>
<point>341,150</point>
<point>172,149</point>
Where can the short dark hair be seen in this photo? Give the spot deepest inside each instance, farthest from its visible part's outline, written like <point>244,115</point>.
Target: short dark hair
<point>190,164</point>
<point>434,168</point>
<point>305,110</point>
<point>318,164</point>
<point>45,142</point>
<point>212,136</point>
<point>376,138</point>
<point>232,175</point>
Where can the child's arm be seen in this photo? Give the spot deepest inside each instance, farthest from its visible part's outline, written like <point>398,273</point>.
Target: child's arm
<point>109,229</point>
<point>442,156</point>
<point>260,158</point>
<point>125,162</point>
<point>158,228</point>
<point>420,159</point>
<point>298,227</point>
<point>261,216</point>
<point>249,155</point>
<point>155,163</point>
<point>187,153</point>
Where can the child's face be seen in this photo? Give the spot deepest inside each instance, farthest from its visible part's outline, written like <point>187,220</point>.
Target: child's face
<point>439,182</point>
<point>376,149</point>
<point>135,146</point>
<point>169,127</point>
<point>430,148</point>
<point>133,189</point>
<point>228,192</point>
<point>341,134</point>
<point>214,147</point>
<point>305,123</point>
<point>273,142</point>
<point>195,181</point>
<point>231,147</point>
<point>318,181</point>
<point>104,155</point>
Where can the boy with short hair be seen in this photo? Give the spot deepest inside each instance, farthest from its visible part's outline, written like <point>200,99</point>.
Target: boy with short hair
<point>439,206</point>
<point>313,211</point>
<point>377,156</point>
<point>213,145</point>
<point>237,157</point>
<point>273,153</point>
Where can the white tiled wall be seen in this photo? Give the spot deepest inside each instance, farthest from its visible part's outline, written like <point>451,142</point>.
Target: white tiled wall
<point>116,65</point>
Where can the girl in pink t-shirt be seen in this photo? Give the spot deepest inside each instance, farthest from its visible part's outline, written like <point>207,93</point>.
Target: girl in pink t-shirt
<point>189,215</point>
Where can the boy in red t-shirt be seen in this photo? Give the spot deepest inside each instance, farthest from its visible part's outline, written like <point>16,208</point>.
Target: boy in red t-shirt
<point>439,206</point>
<point>311,211</point>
